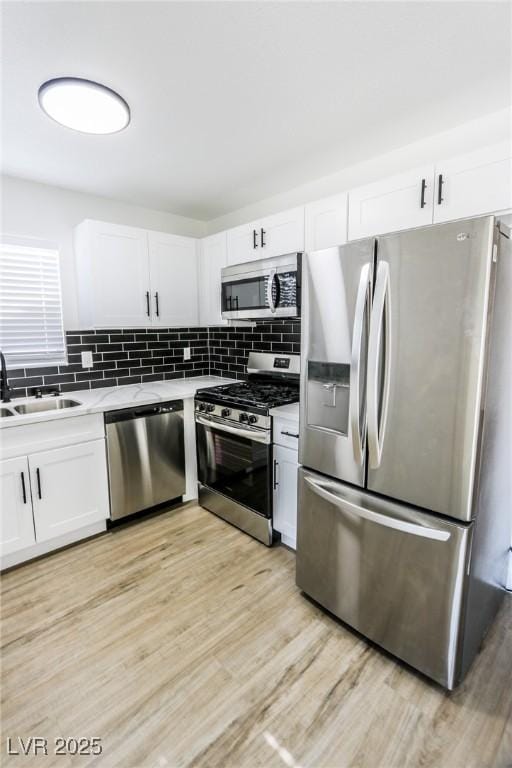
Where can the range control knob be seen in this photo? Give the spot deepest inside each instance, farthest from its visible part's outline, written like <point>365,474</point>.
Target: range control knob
<point>202,407</point>
<point>253,419</point>
<point>244,418</point>
<point>225,413</point>
<point>210,408</point>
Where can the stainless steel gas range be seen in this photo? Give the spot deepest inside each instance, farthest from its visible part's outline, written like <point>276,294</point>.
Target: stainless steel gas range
<point>234,442</point>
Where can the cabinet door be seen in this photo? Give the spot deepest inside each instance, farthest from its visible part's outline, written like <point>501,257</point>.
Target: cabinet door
<point>399,202</point>
<point>173,270</point>
<point>69,488</point>
<point>326,223</point>
<point>16,520</point>
<point>243,244</point>
<point>282,233</point>
<point>285,494</point>
<point>119,259</point>
<point>474,184</point>
<point>212,258</point>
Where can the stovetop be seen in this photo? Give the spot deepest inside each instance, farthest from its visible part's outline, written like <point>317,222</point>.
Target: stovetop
<point>252,394</point>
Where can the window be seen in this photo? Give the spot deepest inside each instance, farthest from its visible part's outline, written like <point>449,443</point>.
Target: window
<point>31,330</point>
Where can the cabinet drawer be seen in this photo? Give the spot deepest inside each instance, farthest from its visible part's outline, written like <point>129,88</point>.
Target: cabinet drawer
<point>46,435</point>
<point>286,433</point>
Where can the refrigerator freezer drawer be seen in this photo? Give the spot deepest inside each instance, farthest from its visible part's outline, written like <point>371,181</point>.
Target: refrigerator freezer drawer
<point>395,574</point>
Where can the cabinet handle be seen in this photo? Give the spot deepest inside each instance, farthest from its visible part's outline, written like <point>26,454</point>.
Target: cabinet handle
<point>423,188</point>
<point>276,481</point>
<point>290,434</point>
<point>38,476</point>
<point>440,189</point>
<point>147,303</point>
<point>254,239</point>
<point>262,239</point>
<point>23,488</point>
<point>157,305</point>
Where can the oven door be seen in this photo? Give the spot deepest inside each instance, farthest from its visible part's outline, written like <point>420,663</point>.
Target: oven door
<point>235,462</point>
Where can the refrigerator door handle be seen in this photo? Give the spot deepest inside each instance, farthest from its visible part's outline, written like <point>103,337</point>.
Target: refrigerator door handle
<point>355,363</point>
<point>381,315</point>
<point>376,517</point>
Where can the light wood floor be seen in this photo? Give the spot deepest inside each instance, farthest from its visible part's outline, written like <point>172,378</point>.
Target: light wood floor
<point>182,642</point>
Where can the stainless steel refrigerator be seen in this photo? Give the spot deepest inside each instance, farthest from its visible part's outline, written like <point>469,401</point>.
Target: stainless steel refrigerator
<point>404,510</point>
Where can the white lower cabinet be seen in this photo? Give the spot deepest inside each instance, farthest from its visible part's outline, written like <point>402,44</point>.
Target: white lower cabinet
<point>53,486</point>
<point>16,520</point>
<point>286,465</point>
<point>69,488</point>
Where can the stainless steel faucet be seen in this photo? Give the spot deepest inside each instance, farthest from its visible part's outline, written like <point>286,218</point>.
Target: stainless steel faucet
<point>5,390</point>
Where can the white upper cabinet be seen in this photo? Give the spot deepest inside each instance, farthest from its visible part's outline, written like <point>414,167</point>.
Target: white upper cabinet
<point>132,277</point>
<point>326,223</point>
<point>16,520</point>
<point>213,257</point>
<point>243,244</point>
<point>474,184</point>
<point>113,274</point>
<point>173,279</point>
<point>272,236</point>
<point>282,233</point>
<point>69,488</point>
<point>399,202</point>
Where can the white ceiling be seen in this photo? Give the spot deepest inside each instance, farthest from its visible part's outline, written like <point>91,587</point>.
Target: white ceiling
<point>233,102</point>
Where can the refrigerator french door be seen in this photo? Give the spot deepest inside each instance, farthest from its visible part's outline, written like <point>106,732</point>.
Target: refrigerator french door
<point>337,289</point>
<point>390,432</point>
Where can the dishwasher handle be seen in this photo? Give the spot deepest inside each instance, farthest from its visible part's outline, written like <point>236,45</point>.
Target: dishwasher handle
<point>140,412</point>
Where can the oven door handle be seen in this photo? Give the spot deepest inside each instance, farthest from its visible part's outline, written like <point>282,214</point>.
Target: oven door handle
<point>250,434</point>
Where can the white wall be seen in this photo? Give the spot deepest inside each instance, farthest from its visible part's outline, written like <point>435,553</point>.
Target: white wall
<point>489,129</point>
<point>50,213</point>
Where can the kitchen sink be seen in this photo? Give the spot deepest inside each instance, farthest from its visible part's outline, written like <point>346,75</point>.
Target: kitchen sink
<point>5,412</point>
<point>46,405</point>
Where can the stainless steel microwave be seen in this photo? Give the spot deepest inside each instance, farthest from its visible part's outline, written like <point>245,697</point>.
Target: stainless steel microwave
<point>262,288</point>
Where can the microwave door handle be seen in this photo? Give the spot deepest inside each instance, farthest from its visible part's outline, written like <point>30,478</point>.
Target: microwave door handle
<point>362,304</point>
<point>249,434</point>
<point>381,311</point>
<point>270,284</point>
<point>376,517</point>
<point>278,289</point>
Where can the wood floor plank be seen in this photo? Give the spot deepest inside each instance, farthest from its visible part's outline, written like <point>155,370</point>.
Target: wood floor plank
<point>182,642</point>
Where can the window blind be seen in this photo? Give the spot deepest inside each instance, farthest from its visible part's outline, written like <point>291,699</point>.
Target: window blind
<point>31,329</point>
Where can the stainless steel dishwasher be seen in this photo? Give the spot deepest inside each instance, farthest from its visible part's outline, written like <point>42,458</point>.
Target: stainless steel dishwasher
<point>146,456</point>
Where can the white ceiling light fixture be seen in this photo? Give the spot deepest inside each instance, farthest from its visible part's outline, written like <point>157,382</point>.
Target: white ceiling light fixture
<point>84,105</point>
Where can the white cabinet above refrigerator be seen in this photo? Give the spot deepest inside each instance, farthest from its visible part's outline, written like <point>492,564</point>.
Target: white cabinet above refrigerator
<point>473,184</point>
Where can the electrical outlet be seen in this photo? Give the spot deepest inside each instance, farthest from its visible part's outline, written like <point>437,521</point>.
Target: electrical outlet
<point>86,359</point>
<point>187,353</point>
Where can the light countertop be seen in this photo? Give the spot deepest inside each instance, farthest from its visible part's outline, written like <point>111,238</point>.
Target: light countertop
<point>112,398</point>
<point>290,412</point>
